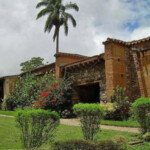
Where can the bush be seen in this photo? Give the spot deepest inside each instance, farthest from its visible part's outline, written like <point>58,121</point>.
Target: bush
<point>86,145</point>
<point>46,92</point>
<point>90,117</point>
<point>23,93</point>
<point>109,110</point>
<point>74,145</point>
<point>146,137</point>
<point>121,103</point>
<point>141,111</point>
<point>120,140</point>
<point>37,127</point>
<point>109,145</point>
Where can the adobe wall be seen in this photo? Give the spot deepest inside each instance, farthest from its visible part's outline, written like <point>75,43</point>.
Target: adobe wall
<point>62,60</point>
<point>120,64</point>
<point>115,68</point>
<point>8,84</point>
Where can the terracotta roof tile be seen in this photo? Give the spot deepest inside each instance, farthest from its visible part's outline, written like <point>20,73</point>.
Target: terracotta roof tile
<point>70,55</point>
<point>130,43</point>
<point>84,61</point>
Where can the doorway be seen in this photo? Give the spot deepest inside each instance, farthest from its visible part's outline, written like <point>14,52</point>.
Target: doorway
<point>1,91</point>
<point>89,93</point>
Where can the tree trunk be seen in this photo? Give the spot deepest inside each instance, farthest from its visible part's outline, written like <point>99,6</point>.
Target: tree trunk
<point>57,42</point>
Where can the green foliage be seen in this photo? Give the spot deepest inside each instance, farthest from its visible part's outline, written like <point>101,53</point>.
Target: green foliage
<point>146,137</point>
<point>109,110</point>
<point>46,92</point>
<point>57,16</point>
<point>109,145</point>
<point>23,93</point>
<point>87,145</point>
<point>74,145</point>
<point>55,94</point>
<point>120,140</point>
<point>37,127</point>
<point>121,103</point>
<point>90,117</point>
<point>31,64</point>
<point>141,111</point>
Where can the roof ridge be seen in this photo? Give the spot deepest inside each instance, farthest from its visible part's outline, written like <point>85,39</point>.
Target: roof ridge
<point>128,43</point>
<point>70,54</point>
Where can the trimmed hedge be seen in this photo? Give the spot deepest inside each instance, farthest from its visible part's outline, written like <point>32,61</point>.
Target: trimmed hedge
<point>86,145</point>
<point>37,127</point>
<point>90,117</point>
<point>141,111</point>
<point>74,145</point>
<point>90,109</point>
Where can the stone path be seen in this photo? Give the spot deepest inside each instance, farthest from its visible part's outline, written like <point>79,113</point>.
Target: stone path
<point>76,122</point>
<point>6,116</point>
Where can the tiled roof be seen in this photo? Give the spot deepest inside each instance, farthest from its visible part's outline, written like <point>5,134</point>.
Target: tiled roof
<point>131,43</point>
<point>8,76</point>
<point>84,61</point>
<point>70,55</point>
<point>52,65</point>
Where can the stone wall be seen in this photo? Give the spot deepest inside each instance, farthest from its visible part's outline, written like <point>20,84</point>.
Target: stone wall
<point>132,85</point>
<point>89,74</point>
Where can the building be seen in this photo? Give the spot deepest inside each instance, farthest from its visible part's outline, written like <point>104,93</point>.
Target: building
<point>126,64</point>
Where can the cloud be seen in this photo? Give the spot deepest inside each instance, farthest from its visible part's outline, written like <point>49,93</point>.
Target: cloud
<point>22,36</point>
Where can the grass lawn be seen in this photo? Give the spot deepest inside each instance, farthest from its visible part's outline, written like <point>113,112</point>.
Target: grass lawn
<point>9,135</point>
<point>9,113</point>
<point>127,123</point>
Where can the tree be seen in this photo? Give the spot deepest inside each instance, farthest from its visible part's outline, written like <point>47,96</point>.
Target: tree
<point>31,64</point>
<point>57,16</point>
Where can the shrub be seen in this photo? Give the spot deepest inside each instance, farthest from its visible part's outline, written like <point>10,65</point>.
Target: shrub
<point>109,145</point>
<point>121,103</point>
<point>74,145</point>
<point>37,127</point>
<point>90,117</point>
<point>120,140</point>
<point>23,93</point>
<point>86,145</point>
<point>109,110</point>
<point>46,92</point>
<point>146,137</point>
<point>141,111</point>
<point>55,94</point>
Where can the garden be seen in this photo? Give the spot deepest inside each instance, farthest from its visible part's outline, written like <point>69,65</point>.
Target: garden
<point>30,118</point>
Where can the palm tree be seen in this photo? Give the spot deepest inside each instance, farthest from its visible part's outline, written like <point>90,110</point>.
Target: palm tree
<point>57,16</point>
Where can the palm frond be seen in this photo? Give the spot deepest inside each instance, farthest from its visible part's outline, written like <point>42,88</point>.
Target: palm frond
<point>43,12</point>
<point>71,18</point>
<point>48,24</point>
<point>66,28</point>
<point>72,6</point>
<point>43,3</point>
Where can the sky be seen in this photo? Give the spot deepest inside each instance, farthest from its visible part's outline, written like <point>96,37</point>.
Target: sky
<point>22,36</point>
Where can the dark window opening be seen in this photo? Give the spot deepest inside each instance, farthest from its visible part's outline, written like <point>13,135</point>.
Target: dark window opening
<point>118,59</point>
<point>89,93</point>
<point>122,75</point>
<point>1,91</point>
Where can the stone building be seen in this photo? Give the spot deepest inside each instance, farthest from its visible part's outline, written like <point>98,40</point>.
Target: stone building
<point>126,64</point>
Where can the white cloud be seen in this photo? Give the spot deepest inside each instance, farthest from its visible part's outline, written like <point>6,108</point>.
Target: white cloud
<point>22,36</point>
<point>140,33</point>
